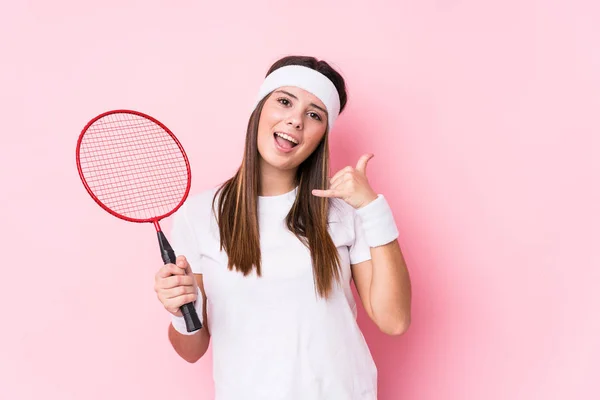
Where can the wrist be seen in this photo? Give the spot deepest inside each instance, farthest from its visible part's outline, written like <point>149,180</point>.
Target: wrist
<point>378,222</point>
<point>370,198</point>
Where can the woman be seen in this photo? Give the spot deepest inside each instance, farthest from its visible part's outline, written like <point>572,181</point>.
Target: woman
<point>268,257</point>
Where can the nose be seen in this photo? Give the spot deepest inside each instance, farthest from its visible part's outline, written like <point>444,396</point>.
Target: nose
<point>294,120</point>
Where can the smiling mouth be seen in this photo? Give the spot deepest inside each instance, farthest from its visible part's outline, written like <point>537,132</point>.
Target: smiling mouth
<point>284,141</point>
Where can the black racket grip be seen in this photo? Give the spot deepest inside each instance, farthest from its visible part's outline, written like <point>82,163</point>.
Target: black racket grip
<point>192,322</point>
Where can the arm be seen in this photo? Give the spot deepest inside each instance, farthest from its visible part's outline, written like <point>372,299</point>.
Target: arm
<point>384,287</point>
<point>192,347</point>
<point>383,283</point>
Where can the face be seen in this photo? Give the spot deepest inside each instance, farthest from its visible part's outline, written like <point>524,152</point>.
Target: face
<point>292,124</point>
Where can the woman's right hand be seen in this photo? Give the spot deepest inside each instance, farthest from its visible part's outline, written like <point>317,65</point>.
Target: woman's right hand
<point>175,285</point>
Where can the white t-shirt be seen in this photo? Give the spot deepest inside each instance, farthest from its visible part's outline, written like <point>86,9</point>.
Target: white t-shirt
<point>273,337</point>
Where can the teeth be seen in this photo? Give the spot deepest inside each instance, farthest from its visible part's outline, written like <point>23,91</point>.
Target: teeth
<point>286,137</point>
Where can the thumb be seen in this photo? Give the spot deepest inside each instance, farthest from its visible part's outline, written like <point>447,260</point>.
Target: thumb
<point>361,166</point>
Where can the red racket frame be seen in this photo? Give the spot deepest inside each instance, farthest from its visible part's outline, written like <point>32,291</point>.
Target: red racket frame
<point>187,164</point>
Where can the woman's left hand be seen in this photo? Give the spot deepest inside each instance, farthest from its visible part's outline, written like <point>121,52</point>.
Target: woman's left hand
<point>351,185</point>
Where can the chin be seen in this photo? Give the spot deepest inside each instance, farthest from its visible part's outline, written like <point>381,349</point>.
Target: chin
<point>279,160</point>
<point>283,163</point>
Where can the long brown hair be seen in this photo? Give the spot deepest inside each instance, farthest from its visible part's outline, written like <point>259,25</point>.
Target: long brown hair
<point>307,219</point>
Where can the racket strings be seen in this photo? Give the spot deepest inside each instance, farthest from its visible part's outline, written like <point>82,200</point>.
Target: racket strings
<point>133,166</point>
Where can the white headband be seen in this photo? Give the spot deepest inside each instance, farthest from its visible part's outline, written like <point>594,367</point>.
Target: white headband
<point>307,79</point>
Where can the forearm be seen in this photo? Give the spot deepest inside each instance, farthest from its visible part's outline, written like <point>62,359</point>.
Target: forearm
<point>390,292</point>
<point>189,347</point>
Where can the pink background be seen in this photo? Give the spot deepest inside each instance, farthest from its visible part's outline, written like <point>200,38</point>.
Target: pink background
<point>483,117</point>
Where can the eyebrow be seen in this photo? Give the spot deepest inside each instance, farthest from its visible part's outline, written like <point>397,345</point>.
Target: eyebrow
<point>312,104</point>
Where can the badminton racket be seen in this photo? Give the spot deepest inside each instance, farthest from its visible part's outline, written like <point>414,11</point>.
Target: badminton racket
<point>134,167</point>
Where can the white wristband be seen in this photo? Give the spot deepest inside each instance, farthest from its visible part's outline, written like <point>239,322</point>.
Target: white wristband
<point>378,222</point>
<point>179,322</point>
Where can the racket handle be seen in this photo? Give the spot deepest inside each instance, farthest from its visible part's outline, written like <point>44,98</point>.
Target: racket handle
<point>188,310</point>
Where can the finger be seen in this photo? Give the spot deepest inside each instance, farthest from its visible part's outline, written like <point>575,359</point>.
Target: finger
<point>340,173</point>
<point>188,269</point>
<point>361,166</point>
<point>165,271</point>
<point>327,193</point>
<point>175,280</point>
<point>168,270</point>
<point>174,304</point>
<point>181,262</point>
<point>175,269</point>
<point>176,292</point>
<point>340,179</point>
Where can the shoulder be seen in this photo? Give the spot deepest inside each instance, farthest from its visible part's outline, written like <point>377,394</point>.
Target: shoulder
<point>201,201</point>
<point>341,213</point>
<point>340,210</point>
<point>197,207</point>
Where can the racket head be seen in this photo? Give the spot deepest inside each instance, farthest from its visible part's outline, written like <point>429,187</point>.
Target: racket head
<point>133,166</point>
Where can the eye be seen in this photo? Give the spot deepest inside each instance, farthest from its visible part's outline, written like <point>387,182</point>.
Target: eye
<point>315,116</point>
<point>284,101</point>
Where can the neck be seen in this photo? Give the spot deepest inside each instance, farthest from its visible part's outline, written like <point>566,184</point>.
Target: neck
<point>274,182</point>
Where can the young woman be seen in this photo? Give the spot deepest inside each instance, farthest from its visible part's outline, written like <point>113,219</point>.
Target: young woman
<point>268,257</point>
